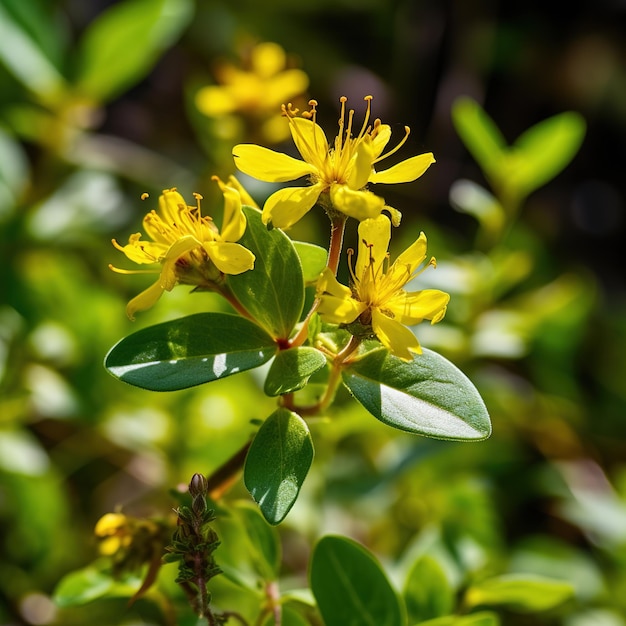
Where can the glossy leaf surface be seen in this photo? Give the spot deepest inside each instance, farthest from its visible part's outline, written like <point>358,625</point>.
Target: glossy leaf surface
<point>291,370</point>
<point>189,351</point>
<point>427,396</point>
<point>350,587</point>
<point>277,463</point>
<point>273,293</point>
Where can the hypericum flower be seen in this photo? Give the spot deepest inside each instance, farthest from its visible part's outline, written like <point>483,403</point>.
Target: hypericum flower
<point>339,172</point>
<point>256,89</point>
<point>188,245</point>
<point>377,298</point>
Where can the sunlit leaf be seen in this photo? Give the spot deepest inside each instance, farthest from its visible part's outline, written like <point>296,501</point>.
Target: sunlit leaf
<point>427,592</point>
<point>427,396</point>
<point>350,586</point>
<point>291,370</point>
<point>264,541</point>
<point>277,463</point>
<point>545,149</point>
<point>313,259</point>
<point>189,351</point>
<point>479,133</point>
<point>483,618</point>
<point>22,53</point>
<point>122,44</point>
<point>273,292</point>
<point>520,592</point>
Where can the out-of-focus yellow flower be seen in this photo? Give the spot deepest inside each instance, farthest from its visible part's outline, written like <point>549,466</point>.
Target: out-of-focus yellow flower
<point>377,298</point>
<point>130,542</point>
<point>257,89</point>
<point>339,172</point>
<point>188,245</point>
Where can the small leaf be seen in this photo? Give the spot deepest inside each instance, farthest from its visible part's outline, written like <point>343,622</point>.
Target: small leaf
<point>468,197</point>
<point>273,292</point>
<point>427,593</point>
<point>427,396</point>
<point>264,541</point>
<point>350,586</point>
<point>483,618</point>
<point>291,370</point>
<point>277,463</point>
<point>22,53</point>
<point>82,586</point>
<point>544,150</point>
<point>479,133</point>
<point>520,592</point>
<point>313,259</point>
<point>189,351</point>
<point>123,43</point>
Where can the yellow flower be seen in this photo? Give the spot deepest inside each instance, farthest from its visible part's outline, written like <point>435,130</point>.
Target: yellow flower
<point>188,245</point>
<point>377,298</point>
<point>339,172</point>
<point>257,89</point>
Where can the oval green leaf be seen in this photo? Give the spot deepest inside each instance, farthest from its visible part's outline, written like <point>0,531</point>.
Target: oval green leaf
<point>313,259</point>
<point>263,539</point>
<point>122,44</point>
<point>291,370</point>
<point>479,133</point>
<point>277,463</point>
<point>189,351</point>
<point>427,396</point>
<point>273,292</point>
<point>483,618</point>
<point>545,149</point>
<point>520,592</point>
<point>350,587</point>
<point>427,592</point>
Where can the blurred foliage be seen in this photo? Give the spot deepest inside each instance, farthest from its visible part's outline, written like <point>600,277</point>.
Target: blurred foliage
<point>98,105</point>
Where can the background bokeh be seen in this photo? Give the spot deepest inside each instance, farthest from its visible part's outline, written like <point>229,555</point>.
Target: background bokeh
<point>537,321</point>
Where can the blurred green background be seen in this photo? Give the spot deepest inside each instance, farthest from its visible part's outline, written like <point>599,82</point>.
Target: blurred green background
<point>97,106</point>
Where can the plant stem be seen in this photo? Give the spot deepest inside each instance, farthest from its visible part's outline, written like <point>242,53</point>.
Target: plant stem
<point>337,229</point>
<point>225,475</point>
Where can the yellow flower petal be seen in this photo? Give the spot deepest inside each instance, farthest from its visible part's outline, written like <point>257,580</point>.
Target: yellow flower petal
<point>411,258</point>
<point>170,205</point>
<point>286,206</point>
<point>310,141</point>
<point>374,237</point>
<point>144,300</point>
<point>361,168</point>
<point>230,258</point>
<point>405,171</point>
<point>358,204</point>
<point>234,223</point>
<point>328,283</point>
<point>284,86</point>
<point>383,135</point>
<point>413,308</point>
<point>339,310</point>
<point>214,101</point>
<point>268,165</point>
<point>396,337</point>
<point>267,58</point>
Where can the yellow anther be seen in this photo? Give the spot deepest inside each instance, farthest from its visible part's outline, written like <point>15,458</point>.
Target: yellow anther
<point>145,195</point>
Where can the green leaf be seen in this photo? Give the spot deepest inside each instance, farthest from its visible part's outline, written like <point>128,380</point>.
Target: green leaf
<point>123,43</point>
<point>273,293</point>
<point>479,133</point>
<point>483,618</point>
<point>277,463</point>
<point>23,55</point>
<point>263,539</point>
<point>189,351</point>
<point>427,593</point>
<point>520,592</point>
<point>291,370</point>
<point>350,587</point>
<point>313,259</point>
<point>14,173</point>
<point>427,396</point>
<point>82,586</point>
<point>544,150</point>
<point>468,197</point>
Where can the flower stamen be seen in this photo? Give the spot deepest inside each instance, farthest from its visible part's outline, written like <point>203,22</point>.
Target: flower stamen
<point>407,132</point>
